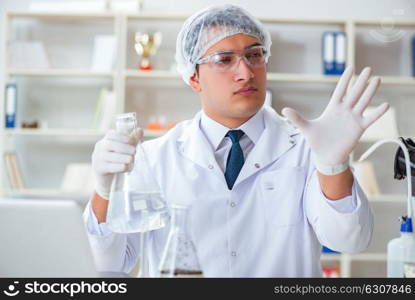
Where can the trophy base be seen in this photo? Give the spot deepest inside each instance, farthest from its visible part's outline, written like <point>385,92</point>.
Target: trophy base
<point>146,68</point>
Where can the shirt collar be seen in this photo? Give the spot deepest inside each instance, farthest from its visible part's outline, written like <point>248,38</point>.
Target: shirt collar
<point>215,132</point>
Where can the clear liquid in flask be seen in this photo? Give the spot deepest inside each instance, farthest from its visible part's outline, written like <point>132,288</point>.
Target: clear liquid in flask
<point>142,211</point>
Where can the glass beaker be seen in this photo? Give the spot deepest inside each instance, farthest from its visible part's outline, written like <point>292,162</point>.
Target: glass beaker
<point>136,202</point>
<point>179,258</point>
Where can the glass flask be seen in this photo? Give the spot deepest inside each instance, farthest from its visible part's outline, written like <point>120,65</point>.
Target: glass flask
<point>179,258</point>
<point>136,202</point>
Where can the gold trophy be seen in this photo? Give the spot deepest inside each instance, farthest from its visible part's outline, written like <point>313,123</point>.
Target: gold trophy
<point>145,46</point>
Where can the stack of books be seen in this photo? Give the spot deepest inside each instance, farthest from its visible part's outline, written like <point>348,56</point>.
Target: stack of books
<point>13,171</point>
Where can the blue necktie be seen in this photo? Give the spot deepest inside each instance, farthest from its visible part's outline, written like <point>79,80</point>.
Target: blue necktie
<point>235,159</point>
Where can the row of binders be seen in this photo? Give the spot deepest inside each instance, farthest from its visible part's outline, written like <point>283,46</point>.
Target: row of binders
<point>334,52</point>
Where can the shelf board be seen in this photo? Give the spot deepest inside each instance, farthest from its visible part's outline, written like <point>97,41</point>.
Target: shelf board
<point>397,80</point>
<point>71,132</point>
<point>163,74</point>
<point>364,139</point>
<point>59,72</point>
<point>385,21</point>
<point>33,192</point>
<point>388,198</point>
<point>368,256</point>
<point>292,21</point>
<point>53,132</point>
<point>154,74</point>
<point>302,78</point>
<point>354,257</point>
<point>156,17</point>
<point>304,21</point>
<point>274,77</point>
<point>59,16</point>
<point>279,77</point>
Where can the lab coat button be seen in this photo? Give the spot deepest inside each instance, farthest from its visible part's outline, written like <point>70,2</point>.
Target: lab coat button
<point>257,166</point>
<point>233,253</point>
<point>233,204</point>
<point>292,142</point>
<point>210,167</point>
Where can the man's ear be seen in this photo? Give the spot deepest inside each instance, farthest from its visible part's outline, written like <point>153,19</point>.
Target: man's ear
<point>194,83</point>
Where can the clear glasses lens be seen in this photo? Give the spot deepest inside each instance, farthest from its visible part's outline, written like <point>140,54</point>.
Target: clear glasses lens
<point>226,61</point>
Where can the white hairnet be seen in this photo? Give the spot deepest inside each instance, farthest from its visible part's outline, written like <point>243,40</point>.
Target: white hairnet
<point>209,26</point>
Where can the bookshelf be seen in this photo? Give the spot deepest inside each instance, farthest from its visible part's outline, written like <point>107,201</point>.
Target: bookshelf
<point>131,85</point>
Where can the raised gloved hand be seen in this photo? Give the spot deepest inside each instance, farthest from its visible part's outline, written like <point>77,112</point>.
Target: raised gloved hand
<point>113,154</point>
<point>334,135</point>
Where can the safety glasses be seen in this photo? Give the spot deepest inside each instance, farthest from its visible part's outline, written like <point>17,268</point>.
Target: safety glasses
<point>225,61</point>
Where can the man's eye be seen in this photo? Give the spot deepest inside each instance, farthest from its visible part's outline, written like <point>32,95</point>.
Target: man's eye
<point>223,60</point>
<point>254,54</point>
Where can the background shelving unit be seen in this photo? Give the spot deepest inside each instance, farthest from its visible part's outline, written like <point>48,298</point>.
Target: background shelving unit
<point>77,137</point>
<point>140,91</point>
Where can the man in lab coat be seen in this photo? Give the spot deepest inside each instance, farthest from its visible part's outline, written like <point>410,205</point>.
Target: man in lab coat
<point>266,193</point>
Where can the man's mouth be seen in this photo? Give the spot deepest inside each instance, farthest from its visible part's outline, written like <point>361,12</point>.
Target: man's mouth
<point>247,90</point>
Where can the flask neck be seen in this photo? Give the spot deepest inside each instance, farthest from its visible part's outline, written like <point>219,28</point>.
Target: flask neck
<point>181,218</point>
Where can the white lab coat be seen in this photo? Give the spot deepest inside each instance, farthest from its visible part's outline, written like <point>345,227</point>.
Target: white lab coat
<point>271,224</point>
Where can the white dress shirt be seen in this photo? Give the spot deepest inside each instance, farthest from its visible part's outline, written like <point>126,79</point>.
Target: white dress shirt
<point>221,145</point>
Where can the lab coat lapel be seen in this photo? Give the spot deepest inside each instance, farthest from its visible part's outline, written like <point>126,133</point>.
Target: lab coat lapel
<point>276,139</point>
<point>194,146</point>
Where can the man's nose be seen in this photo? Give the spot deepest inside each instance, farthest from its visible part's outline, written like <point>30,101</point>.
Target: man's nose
<point>243,71</point>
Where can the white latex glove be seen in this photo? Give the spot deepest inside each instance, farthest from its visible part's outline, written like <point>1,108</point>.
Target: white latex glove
<point>113,154</point>
<point>334,135</point>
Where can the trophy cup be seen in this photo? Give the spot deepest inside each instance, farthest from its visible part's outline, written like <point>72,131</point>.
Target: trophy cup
<point>145,46</point>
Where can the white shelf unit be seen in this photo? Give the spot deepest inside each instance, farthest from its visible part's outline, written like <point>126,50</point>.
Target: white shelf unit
<point>124,74</point>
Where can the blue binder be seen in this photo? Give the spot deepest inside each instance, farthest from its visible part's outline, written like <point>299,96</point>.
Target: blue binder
<point>340,53</point>
<point>334,52</point>
<point>11,105</point>
<point>413,56</point>
<point>328,52</point>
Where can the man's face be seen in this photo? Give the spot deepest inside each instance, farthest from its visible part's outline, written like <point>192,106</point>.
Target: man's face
<point>224,95</point>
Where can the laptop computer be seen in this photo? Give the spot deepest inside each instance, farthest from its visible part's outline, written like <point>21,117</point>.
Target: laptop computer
<point>44,238</point>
